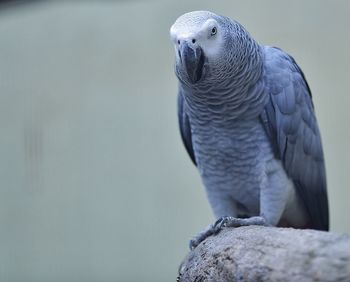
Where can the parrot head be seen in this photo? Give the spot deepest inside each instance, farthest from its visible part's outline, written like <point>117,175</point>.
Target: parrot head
<point>208,47</point>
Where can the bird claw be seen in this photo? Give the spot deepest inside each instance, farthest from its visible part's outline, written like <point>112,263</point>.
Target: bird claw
<point>223,222</point>
<point>194,242</point>
<point>212,229</point>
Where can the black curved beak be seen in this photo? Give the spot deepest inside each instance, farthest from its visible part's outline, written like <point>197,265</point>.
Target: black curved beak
<point>192,58</point>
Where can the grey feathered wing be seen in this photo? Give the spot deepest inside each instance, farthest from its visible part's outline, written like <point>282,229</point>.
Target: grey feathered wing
<point>292,127</point>
<point>185,126</point>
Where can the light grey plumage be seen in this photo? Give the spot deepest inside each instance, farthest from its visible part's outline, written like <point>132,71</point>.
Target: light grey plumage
<point>247,121</point>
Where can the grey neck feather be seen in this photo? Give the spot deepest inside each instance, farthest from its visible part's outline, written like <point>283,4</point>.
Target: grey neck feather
<point>235,98</point>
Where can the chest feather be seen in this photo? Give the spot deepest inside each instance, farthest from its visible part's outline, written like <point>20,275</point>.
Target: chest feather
<point>239,153</point>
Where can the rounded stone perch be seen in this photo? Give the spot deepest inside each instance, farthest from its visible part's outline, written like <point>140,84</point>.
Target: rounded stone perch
<point>257,253</point>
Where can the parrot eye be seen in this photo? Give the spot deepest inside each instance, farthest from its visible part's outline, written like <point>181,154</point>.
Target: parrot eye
<point>213,31</point>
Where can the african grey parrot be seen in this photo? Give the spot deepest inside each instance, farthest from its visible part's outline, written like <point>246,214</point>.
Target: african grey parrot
<point>247,121</point>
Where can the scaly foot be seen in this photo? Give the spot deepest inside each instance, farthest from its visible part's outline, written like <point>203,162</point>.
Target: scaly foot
<point>226,221</point>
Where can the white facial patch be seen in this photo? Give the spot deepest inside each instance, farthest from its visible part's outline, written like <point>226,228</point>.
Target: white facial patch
<point>201,29</point>
<point>211,39</point>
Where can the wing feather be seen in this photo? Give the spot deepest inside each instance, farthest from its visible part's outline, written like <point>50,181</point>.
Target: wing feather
<point>185,126</point>
<point>291,124</point>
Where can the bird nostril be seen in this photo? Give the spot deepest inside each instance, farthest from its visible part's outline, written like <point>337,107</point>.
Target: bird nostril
<point>193,40</point>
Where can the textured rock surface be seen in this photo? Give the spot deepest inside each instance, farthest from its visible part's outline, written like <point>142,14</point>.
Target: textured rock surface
<point>257,253</point>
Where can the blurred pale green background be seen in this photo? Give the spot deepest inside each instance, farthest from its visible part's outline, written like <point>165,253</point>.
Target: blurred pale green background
<point>94,182</point>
